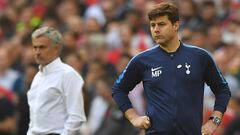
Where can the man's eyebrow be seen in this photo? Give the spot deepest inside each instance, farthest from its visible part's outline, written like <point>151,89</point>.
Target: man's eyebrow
<point>41,45</point>
<point>159,22</point>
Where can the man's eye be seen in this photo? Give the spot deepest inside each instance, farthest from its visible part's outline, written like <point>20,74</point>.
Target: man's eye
<point>152,25</point>
<point>161,24</point>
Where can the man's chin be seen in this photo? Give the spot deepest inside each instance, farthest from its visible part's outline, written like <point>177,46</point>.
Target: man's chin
<point>160,42</point>
<point>39,62</point>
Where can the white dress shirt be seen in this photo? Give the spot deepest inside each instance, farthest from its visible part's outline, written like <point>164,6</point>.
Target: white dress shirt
<point>56,101</point>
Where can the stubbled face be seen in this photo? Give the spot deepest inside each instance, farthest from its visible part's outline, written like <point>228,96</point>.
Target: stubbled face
<point>163,30</point>
<point>44,51</point>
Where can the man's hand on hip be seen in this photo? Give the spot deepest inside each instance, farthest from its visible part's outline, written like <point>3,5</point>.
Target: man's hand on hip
<point>141,122</point>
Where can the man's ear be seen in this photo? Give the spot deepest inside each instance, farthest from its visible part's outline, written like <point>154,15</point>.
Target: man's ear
<point>176,25</point>
<point>58,49</point>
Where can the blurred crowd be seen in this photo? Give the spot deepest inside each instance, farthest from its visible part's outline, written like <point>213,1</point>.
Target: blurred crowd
<point>100,37</point>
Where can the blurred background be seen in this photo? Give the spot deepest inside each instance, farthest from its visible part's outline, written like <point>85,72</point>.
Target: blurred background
<point>100,37</point>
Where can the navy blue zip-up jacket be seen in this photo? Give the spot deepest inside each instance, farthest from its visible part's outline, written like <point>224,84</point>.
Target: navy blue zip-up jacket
<point>174,88</point>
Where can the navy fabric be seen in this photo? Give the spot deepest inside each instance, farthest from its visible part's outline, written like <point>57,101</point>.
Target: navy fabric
<point>174,88</point>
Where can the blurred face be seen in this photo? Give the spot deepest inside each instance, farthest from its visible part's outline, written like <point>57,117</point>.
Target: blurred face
<point>74,62</point>
<point>103,90</point>
<point>29,74</point>
<point>126,34</point>
<point>214,35</point>
<point>186,8</point>
<point>3,59</point>
<point>122,64</point>
<point>27,56</point>
<point>208,13</point>
<point>99,54</point>
<point>75,24</point>
<point>163,30</point>
<point>44,51</point>
<point>92,25</point>
<point>70,40</point>
<point>108,8</point>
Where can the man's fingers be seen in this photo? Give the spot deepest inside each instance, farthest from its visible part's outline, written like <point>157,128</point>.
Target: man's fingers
<point>146,124</point>
<point>148,118</point>
<point>142,122</point>
<point>205,132</point>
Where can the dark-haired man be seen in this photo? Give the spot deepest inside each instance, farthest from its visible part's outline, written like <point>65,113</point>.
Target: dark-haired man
<point>173,75</point>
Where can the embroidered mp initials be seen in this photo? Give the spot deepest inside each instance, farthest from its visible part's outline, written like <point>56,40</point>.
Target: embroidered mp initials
<point>156,71</point>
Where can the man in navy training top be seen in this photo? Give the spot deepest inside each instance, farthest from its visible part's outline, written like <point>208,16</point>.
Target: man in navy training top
<point>173,74</point>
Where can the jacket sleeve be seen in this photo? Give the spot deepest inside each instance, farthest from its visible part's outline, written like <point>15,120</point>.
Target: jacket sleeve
<point>217,83</point>
<point>126,81</point>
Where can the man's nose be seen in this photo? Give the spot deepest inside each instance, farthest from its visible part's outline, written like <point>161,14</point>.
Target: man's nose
<point>156,30</point>
<point>37,51</point>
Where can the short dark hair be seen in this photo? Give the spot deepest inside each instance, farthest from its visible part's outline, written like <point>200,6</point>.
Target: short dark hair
<point>162,9</point>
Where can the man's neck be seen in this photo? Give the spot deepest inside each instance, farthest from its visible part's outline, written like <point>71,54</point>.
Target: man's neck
<point>171,46</point>
<point>41,66</point>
